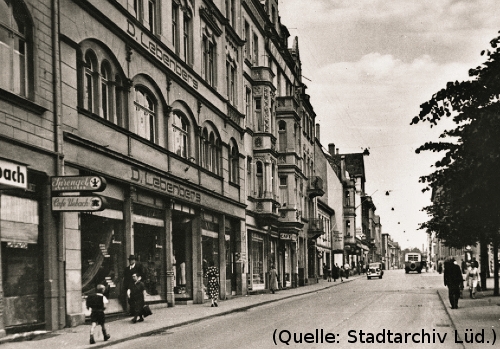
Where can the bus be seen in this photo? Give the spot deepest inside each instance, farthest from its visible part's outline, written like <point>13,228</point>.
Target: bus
<point>413,262</point>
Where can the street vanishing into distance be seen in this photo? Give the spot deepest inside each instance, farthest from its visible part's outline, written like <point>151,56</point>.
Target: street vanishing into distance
<point>400,309</point>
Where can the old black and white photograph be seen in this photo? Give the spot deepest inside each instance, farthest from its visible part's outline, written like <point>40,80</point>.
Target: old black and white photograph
<point>249,174</point>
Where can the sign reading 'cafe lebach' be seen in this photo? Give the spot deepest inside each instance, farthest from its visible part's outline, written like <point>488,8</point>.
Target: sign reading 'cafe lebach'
<point>77,203</point>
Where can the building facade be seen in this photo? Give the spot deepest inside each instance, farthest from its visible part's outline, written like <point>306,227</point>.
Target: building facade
<point>194,117</point>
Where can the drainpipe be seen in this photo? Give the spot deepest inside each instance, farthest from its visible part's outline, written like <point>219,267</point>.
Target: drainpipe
<point>59,170</point>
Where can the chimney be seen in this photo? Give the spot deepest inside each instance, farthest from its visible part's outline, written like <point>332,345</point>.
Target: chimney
<point>342,168</point>
<point>331,149</point>
<point>317,133</point>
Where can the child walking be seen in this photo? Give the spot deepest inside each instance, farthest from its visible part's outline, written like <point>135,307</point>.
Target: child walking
<point>97,302</point>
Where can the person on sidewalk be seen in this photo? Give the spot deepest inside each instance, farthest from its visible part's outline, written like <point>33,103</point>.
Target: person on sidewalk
<point>335,272</point>
<point>328,274</point>
<point>324,271</point>
<point>346,270</point>
<point>136,294</point>
<point>97,302</point>
<point>273,279</point>
<point>472,278</point>
<point>212,276</point>
<point>342,273</point>
<point>452,279</point>
<point>134,267</point>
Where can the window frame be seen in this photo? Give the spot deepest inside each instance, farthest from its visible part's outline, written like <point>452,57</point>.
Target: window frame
<point>181,132</point>
<point>151,125</point>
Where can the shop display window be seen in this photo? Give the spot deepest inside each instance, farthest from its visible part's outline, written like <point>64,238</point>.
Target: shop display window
<point>103,258</point>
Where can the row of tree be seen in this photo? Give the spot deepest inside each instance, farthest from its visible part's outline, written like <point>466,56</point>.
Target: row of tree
<point>466,181</point>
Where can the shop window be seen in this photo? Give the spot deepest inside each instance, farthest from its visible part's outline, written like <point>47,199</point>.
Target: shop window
<point>15,48</point>
<point>22,262</point>
<point>145,114</point>
<point>181,134</point>
<point>257,263</point>
<point>103,257</point>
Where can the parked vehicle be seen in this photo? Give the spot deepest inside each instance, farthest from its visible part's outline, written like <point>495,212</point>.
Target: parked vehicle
<point>374,270</point>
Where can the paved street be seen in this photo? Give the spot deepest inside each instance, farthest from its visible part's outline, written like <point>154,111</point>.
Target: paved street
<point>398,303</point>
<point>401,303</point>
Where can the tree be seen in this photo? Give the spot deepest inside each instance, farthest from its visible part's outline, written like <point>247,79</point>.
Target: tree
<point>466,183</point>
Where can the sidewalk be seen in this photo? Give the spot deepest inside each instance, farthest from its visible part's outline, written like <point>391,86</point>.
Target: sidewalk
<point>475,315</point>
<point>163,318</point>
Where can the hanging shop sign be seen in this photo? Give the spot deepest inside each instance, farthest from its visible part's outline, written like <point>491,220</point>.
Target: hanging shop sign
<point>78,183</point>
<point>78,203</point>
<point>13,175</point>
<point>288,236</point>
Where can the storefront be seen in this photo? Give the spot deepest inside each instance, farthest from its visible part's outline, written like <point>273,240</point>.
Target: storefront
<point>22,252</point>
<point>256,279</point>
<point>103,256</point>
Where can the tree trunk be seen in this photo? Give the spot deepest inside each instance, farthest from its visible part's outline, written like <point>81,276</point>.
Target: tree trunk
<point>484,261</point>
<point>495,267</point>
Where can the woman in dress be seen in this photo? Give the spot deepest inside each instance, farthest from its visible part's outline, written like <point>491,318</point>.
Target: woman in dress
<point>472,278</point>
<point>273,279</point>
<point>212,276</point>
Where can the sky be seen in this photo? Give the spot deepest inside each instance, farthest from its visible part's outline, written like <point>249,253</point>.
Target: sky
<point>368,66</point>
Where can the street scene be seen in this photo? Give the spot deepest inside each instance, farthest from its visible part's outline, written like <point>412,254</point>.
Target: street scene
<point>399,309</point>
<point>249,173</point>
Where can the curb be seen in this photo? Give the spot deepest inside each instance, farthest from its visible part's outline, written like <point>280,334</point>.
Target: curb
<point>236,310</point>
<point>448,312</point>
<point>27,336</point>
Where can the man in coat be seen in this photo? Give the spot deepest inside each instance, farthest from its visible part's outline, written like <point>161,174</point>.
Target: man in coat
<point>454,280</point>
<point>134,267</point>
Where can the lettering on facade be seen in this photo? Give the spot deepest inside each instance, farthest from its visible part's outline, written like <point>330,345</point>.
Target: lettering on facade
<point>78,183</point>
<point>78,203</point>
<point>288,236</point>
<point>13,175</point>
<point>158,53</point>
<point>162,185</point>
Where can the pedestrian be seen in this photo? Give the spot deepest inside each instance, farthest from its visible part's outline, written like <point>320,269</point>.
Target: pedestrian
<point>328,274</point>
<point>346,270</point>
<point>136,293</point>
<point>212,276</point>
<point>273,279</point>
<point>335,272</point>
<point>453,279</point>
<point>97,302</point>
<point>134,267</point>
<point>473,278</point>
<point>324,271</point>
<point>342,273</point>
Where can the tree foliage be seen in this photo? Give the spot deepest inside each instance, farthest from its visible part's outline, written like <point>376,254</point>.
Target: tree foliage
<point>466,181</point>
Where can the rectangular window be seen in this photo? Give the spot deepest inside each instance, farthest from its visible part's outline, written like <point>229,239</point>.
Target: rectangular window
<point>152,15</point>
<point>175,28</point>
<point>248,43</point>
<point>255,58</point>
<point>187,39</point>
<point>258,113</point>
<point>231,83</point>
<point>209,53</point>
<point>248,96</point>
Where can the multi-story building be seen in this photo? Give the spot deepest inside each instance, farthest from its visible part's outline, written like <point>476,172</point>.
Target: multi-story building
<point>193,117</point>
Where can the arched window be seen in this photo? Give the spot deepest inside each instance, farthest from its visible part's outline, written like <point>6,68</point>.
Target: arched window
<point>119,101</point>
<point>181,129</point>
<point>90,66</point>
<point>217,151</point>
<point>204,148</point>
<point>101,89</point>
<point>234,164</point>
<point>106,92</point>
<point>212,151</point>
<point>259,174</point>
<point>282,139</point>
<point>15,36</point>
<point>145,115</point>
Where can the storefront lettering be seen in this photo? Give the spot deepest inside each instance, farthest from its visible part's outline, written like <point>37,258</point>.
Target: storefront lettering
<point>163,185</point>
<point>13,175</point>
<point>157,52</point>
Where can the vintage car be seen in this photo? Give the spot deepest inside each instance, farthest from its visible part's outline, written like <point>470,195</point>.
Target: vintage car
<point>374,270</point>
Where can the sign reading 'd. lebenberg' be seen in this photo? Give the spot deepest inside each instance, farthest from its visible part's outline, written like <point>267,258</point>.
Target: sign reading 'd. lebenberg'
<point>13,175</point>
